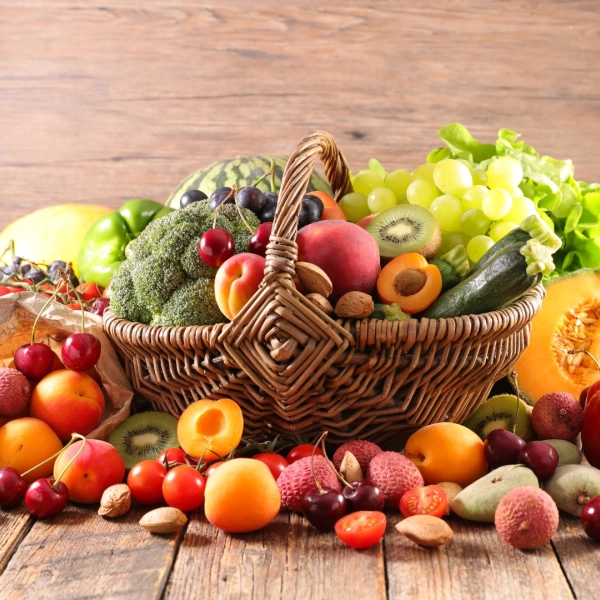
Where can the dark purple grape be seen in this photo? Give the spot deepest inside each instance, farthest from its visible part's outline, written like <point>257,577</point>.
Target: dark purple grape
<point>502,447</point>
<point>251,198</point>
<point>317,201</point>
<point>270,198</point>
<point>324,509</point>
<point>9,270</point>
<point>57,264</point>
<point>223,195</point>
<point>25,268</point>
<point>363,495</point>
<point>36,275</point>
<point>309,213</point>
<point>267,214</point>
<point>190,197</point>
<point>540,457</point>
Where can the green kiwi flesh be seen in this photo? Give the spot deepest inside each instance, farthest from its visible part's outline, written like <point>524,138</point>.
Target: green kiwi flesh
<point>498,412</point>
<point>144,436</point>
<point>406,228</point>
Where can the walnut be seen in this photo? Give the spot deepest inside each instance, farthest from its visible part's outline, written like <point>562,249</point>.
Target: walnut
<point>115,501</point>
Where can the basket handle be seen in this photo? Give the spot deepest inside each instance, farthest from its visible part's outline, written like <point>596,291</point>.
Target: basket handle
<point>282,250</point>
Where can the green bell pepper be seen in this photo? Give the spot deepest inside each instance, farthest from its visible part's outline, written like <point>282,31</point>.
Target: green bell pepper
<point>104,245</point>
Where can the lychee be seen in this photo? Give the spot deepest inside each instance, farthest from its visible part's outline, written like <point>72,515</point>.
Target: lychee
<point>557,415</point>
<point>15,391</point>
<point>526,517</point>
<point>394,474</point>
<point>363,450</point>
<point>297,480</point>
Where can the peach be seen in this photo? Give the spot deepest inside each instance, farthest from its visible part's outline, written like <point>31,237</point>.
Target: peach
<point>25,443</point>
<point>97,467</point>
<point>210,429</point>
<point>69,401</point>
<point>241,495</point>
<point>345,251</point>
<point>237,280</point>
<point>447,452</point>
<point>366,220</point>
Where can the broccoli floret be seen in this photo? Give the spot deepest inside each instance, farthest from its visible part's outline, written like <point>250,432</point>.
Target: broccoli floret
<point>164,281</point>
<point>192,304</point>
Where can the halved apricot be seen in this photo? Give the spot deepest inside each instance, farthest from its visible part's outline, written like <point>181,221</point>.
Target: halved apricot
<point>210,429</point>
<point>409,281</point>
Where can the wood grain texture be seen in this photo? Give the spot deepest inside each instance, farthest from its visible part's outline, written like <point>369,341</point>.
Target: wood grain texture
<point>14,526</point>
<point>287,559</point>
<point>81,555</point>
<point>476,565</point>
<point>115,100</point>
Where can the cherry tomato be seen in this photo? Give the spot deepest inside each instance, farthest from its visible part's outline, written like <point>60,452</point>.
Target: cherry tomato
<point>361,529</point>
<point>145,481</point>
<point>428,500</point>
<point>175,456</point>
<point>4,289</point>
<point>183,488</point>
<point>73,305</point>
<point>213,466</point>
<point>275,462</point>
<point>301,451</point>
<point>88,291</point>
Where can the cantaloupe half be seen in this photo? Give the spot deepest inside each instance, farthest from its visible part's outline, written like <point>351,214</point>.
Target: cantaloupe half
<point>568,320</point>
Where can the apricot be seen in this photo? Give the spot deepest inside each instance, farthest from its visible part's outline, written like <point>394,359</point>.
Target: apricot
<point>25,443</point>
<point>447,452</point>
<point>97,467</point>
<point>331,210</point>
<point>210,429</point>
<point>69,401</point>
<point>237,280</point>
<point>241,495</point>
<point>346,252</point>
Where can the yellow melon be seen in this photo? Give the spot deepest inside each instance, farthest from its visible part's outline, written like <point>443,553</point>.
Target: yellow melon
<point>52,233</point>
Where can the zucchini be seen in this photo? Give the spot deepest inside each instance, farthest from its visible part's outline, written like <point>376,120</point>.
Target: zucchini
<point>453,266</point>
<point>505,278</point>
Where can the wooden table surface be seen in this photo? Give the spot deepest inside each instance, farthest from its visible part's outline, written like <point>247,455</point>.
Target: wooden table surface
<point>104,102</point>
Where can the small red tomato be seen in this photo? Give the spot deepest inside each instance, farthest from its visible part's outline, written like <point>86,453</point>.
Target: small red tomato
<point>428,500</point>
<point>145,481</point>
<point>361,529</point>
<point>275,462</point>
<point>183,488</point>
<point>302,451</point>
<point>175,456</point>
<point>88,291</point>
<point>5,289</point>
<point>213,466</point>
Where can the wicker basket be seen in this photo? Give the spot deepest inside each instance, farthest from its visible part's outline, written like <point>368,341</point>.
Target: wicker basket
<point>294,370</point>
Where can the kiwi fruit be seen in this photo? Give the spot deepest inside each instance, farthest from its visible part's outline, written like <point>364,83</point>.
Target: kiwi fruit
<point>498,412</point>
<point>144,436</point>
<point>406,228</point>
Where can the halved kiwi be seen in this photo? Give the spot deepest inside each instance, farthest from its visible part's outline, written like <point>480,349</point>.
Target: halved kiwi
<point>406,228</point>
<point>499,412</point>
<point>144,436</point>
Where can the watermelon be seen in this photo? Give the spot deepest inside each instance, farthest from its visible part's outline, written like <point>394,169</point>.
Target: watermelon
<point>241,172</point>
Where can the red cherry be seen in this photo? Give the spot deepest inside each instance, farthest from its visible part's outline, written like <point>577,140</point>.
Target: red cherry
<point>12,487</point>
<point>43,500</point>
<point>258,242</point>
<point>81,351</point>
<point>590,518</point>
<point>216,246</point>
<point>35,361</point>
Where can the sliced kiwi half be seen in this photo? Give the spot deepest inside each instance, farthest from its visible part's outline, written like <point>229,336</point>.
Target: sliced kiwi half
<point>499,412</point>
<point>406,228</point>
<point>144,436</point>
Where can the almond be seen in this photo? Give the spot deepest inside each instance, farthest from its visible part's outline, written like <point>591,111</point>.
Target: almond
<point>314,279</point>
<point>350,468</point>
<point>357,305</point>
<point>320,302</point>
<point>163,520</point>
<point>425,530</point>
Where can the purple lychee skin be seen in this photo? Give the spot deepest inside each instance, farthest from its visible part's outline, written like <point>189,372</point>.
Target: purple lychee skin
<point>15,391</point>
<point>363,450</point>
<point>296,480</point>
<point>548,421</point>
<point>394,474</point>
<point>526,517</point>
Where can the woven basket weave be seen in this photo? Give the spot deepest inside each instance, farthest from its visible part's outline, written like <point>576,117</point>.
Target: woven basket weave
<point>294,370</point>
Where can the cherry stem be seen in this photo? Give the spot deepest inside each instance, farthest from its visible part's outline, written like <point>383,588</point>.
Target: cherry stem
<point>312,461</point>
<point>75,437</point>
<point>55,293</point>
<point>512,377</point>
<point>331,465</point>
<point>585,352</point>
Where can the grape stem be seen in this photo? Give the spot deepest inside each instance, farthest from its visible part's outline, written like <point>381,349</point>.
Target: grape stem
<point>512,377</point>
<point>55,293</point>
<point>312,460</point>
